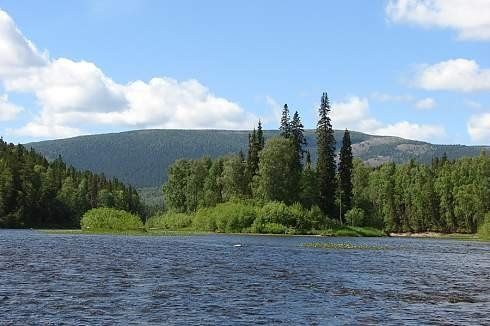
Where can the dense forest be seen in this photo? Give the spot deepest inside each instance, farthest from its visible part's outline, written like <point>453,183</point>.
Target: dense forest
<point>143,156</point>
<point>276,184</point>
<point>38,193</point>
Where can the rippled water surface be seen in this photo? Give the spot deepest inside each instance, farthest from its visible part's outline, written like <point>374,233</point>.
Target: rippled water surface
<point>84,279</point>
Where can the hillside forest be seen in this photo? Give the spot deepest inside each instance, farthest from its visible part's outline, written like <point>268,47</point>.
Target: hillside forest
<point>40,194</point>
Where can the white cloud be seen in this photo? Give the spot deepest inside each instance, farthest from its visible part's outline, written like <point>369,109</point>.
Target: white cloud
<point>470,18</point>
<point>351,112</point>
<point>354,114</point>
<point>383,97</point>
<point>8,111</point>
<point>45,130</point>
<point>76,93</point>
<point>18,53</point>
<point>454,75</point>
<point>425,103</point>
<point>479,128</point>
<point>409,130</point>
<point>473,104</point>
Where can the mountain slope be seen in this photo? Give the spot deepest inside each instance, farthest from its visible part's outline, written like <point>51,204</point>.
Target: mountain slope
<point>141,157</point>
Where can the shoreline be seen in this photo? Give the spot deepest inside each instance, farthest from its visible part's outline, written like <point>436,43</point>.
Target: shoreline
<point>437,235</point>
<point>416,235</point>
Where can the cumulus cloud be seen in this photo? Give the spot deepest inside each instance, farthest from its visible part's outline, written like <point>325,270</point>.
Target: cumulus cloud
<point>73,93</point>
<point>454,75</point>
<point>354,114</point>
<point>44,130</point>
<point>425,103</point>
<point>409,130</point>
<point>478,127</point>
<point>8,111</point>
<point>469,18</point>
<point>384,97</point>
<point>18,53</point>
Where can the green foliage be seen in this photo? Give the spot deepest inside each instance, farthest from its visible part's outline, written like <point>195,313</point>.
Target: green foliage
<point>110,219</point>
<point>169,221</point>
<point>355,217</point>
<point>345,172</point>
<point>38,193</point>
<point>232,216</point>
<point>234,178</point>
<point>451,196</point>
<point>326,165</point>
<point>261,226</point>
<point>275,180</point>
<point>484,228</point>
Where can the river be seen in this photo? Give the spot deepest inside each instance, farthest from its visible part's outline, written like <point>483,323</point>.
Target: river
<point>232,279</point>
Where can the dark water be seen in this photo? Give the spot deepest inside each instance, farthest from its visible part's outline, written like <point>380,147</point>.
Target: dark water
<point>81,279</point>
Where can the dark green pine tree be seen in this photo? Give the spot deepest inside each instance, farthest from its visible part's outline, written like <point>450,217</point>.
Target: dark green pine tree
<point>285,127</point>
<point>345,173</point>
<point>308,184</point>
<point>260,136</point>
<point>253,154</point>
<point>297,135</point>
<point>326,159</point>
<point>298,140</point>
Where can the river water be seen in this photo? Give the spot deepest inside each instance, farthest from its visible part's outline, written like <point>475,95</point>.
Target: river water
<point>103,279</point>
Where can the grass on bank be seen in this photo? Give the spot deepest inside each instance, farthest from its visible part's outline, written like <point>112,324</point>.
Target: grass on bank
<point>236,217</point>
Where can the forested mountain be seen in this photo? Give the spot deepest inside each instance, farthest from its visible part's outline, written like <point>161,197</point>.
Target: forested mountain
<point>38,193</point>
<point>141,157</point>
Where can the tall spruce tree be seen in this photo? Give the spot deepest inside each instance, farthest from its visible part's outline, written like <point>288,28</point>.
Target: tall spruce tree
<point>285,127</point>
<point>345,173</point>
<point>326,159</point>
<point>297,134</point>
<point>253,154</point>
<point>260,136</point>
<point>299,141</point>
<point>308,184</point>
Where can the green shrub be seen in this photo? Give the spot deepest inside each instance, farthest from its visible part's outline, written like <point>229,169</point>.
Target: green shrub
<point>316,217</point>
<point>170,221</point>
<point>355,217</point>
<point>260,225</point>
<point>204,220</point>
<point>299,217</point>
<point>104,218</point>
<point>232,216</point>
<point>276,212</point>
<point>484,228</point>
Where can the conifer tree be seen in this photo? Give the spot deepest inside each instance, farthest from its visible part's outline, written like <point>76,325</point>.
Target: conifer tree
<point>285,127</point>
<point>253,154</point>
<point>297,134</point>
<point>260,136</point>
<point>326,159</point>
<point>308,185</point>
<point>345,173</point>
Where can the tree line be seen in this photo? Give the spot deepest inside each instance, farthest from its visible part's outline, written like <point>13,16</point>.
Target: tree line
<point>38,193</point>
<point>446,196</point>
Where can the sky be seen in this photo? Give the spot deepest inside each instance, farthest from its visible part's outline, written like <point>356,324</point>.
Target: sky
<point>418,69</point>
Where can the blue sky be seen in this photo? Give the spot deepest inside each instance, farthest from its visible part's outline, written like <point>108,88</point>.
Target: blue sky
<point>417,69</point>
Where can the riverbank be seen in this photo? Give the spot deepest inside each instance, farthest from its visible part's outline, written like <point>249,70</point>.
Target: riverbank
<point>344,231</point>
<point>340,232</point>
<point>439,235</point>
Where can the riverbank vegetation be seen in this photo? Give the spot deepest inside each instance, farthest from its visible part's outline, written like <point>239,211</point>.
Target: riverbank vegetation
<point>276,188</point>
<point>35,192</point>
<point>107,219</point>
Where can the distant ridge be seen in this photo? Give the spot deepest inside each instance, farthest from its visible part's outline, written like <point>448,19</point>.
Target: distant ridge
<point>141,157</point>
